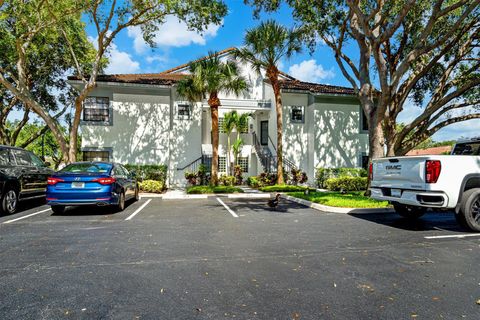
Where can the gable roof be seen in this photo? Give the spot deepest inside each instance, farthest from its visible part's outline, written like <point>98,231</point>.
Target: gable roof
<point>173,75</point>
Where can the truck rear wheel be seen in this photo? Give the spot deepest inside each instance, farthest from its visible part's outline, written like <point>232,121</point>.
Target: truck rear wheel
<point>409,212</point>
<point>470,209</point>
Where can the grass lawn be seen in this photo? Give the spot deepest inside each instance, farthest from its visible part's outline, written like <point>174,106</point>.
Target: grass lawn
<point>283,188</point>
<point>354,199</point>
<point>211,189</point>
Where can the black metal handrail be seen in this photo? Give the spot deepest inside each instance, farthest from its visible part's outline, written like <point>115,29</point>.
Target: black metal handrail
<point>195,164</point>
<point>269,161</point>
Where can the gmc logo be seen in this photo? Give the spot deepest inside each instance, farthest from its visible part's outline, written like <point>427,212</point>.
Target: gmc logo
<point>394,167</point>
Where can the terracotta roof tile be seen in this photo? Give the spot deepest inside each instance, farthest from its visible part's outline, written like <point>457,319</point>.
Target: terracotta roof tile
<point>143,78</point>
<point>315,87</point>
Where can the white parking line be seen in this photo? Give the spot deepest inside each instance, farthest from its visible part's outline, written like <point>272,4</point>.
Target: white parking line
<point>459,236</point>
<point>27,216</point>
<point>228,209</point>
<point>138,210</point>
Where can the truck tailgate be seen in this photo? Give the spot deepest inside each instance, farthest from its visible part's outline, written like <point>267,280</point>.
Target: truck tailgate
<point>399,172</point>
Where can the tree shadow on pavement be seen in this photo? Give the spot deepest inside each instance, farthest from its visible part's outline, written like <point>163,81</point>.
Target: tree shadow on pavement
<point>430,221</point>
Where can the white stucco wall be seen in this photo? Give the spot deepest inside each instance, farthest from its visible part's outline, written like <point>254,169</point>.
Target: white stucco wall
<point>139,132</point>
<point>185,141</point>
<point>339,141</point>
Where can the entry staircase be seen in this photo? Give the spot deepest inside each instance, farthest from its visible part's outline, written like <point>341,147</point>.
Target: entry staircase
<point>268,160</point>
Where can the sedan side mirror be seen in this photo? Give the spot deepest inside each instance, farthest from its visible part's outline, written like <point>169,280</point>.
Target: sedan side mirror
<point>133,174</point>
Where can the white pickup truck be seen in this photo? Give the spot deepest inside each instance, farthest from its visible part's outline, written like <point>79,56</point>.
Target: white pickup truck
<point>414,183</point>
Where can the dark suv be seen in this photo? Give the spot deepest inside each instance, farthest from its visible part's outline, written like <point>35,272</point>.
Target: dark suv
<point>22,176</point>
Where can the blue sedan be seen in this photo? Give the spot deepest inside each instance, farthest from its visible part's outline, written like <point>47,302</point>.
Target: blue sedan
<point>91,183</point>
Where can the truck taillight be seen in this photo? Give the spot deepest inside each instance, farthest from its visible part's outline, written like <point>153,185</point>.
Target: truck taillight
<point>53,181</point>
<point>370,171</point>
<point>432,170</point>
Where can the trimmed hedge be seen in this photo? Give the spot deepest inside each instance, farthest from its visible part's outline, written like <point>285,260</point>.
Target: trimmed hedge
<point>323,174</point>
<point>284,188</point>
<point>346,184</point>
<point>211,189</point>
<point>152,186</point>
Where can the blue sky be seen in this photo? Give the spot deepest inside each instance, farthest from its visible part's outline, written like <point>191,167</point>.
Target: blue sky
<point>177,45</point>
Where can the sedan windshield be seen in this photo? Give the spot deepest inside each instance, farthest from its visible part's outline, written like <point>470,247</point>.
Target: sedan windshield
<point>87,168</point>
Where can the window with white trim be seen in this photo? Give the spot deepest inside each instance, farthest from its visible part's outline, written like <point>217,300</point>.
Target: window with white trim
<point>243,163</point>
<point>96,156</point>
<point>96,109</point>
<point>184,111</point>
<point>297,114</point>
<point>222,164</point>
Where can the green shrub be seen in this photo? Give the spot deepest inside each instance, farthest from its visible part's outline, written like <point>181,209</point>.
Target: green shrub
<point>191,178</point>
<point>152,186</point>
<point>346,184</point>
<point>226,180</point>
<point>253,182</point>
<point>149,171</point>
<point>211,189</point>
<point>323,174</point>
<point>296,176</point>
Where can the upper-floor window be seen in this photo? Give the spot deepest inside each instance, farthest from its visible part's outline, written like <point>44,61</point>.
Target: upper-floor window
<point>184,111</point>
<point>297,114</point>
<point>96,109</point>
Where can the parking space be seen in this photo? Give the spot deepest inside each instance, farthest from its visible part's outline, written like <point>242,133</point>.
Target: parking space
<point>193,259</point>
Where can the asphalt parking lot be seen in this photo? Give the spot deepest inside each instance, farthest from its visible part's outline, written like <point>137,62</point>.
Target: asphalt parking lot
<point>234,258</point>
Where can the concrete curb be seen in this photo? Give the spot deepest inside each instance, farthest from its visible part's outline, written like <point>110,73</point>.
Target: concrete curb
<point>248,195</point>
<point>151,195</point>
<point>186,197</point>
<point>323,208</point>
<point>166,196</point>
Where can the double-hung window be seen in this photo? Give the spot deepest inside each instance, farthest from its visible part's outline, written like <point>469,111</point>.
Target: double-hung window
<point>96,109</point>
<point>184,111</point>
<point>297,114</point>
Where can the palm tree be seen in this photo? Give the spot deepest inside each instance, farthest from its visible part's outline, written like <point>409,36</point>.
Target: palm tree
<point>207,79</point>
<point>241,124</point>
<point>229,123</point>
<point>264,48</point>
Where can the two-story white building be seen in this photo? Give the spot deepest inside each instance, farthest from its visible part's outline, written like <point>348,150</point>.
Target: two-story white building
<point>140,119</point>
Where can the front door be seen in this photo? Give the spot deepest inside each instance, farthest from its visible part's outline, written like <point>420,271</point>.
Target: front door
<point>264,133</point>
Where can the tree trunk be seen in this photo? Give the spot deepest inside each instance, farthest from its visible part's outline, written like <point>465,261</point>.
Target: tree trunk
<point>214,103</point>
<point>272,74</point>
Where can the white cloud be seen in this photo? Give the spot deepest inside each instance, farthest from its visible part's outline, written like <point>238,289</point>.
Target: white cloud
<point>309,70</point>
<point>173,33</point>
<point>118,61</point>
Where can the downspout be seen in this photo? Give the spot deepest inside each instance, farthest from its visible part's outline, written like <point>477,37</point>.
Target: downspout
<point>170,131</point>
